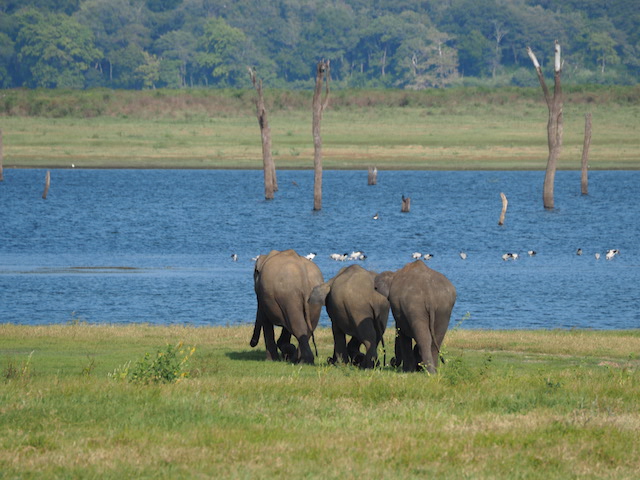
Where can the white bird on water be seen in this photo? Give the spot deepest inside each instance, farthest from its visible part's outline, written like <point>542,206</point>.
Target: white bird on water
<point>234,257</point>
<point>310,256</point>
<point>357,256</point>
<point>376,216</point>
<point>532,253</point>
<point>463,255</point>
<point>612,253</point>
<point>428,256</point>
<point>416,255</point>
<point>339,257</point>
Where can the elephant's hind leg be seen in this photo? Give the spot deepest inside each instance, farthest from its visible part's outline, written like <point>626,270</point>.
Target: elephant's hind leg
<point>286,347</point>
<point>368,335</point>
<point>406,352</point>
<point>270,341</point>
<point>340,349</point>
<point>424,342</point>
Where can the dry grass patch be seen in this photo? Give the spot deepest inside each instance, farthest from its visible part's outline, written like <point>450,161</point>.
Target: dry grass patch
<point>622,345</point>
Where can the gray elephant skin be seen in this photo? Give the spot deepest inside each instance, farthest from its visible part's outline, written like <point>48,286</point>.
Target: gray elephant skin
<point>421,302</point>
<point>355,309</point>
<point>283,282</point>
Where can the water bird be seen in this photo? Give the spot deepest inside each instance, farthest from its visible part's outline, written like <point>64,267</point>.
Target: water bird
<point>416,255</point>
<point>357,256</point>
<point>428,256</point>
<point>510,256</point>
<point>597,255</point>
<point>310,256</point>
<point>612,253</point>
<point>339,257</point>
<point>234,257</point>
<point>579,251</point>
<point>463,255</point>
<point>376,216</point>
<point>532,253</point>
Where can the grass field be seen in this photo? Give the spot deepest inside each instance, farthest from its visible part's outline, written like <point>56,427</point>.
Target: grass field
<point>460,129</point>
<point>507,404</point>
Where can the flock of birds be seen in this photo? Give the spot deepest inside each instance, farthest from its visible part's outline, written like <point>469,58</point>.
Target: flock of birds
<point>359,255</point>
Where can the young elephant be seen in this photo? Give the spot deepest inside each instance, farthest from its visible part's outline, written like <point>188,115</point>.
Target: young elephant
<point>283,282</point>
<point>421,301</point>
<point>355,309</point>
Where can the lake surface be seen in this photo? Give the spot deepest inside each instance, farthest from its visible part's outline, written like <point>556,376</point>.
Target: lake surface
<point>154,246</point>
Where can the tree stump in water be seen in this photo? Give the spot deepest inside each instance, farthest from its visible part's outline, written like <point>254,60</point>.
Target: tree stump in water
<point>504,208</point>
<point>373,176</point>
<point>406,204</point>
<point>47,183</point>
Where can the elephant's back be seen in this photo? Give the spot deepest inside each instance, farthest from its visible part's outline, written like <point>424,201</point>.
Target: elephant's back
<point>417,280</point>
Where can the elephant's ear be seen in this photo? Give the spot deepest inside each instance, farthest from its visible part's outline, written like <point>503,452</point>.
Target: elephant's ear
<point>382,283</point>
<point>262,259</point>
<point>319,293</point>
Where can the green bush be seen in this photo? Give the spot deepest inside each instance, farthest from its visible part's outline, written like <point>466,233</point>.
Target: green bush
<point>166,366</point>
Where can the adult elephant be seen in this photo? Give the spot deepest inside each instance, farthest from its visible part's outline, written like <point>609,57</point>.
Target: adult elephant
<point>421,301</point>
<point>355,309</point>
<point>283,282</point>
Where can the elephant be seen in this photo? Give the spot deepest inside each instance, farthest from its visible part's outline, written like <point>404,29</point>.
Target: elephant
<point>283,281</point>
<point>421,301</point>
<point>355,309</point>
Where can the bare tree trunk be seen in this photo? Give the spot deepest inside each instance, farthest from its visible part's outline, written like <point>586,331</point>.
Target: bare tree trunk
<point>270,184</point>
<point>322,73</point>
<point>406,204</point>
<point>585,155</point>
<point>1,158</point>
<point>554,124</point>
<point>505,203</point>
<point>373,176</point>
<point>47,182</point>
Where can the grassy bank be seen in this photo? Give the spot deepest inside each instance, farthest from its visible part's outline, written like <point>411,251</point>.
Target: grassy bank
<point>520,404</point>
<point>447,129</point>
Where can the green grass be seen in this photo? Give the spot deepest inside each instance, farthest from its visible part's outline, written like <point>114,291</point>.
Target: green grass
<point>507,404</point>
<point>454,129</point>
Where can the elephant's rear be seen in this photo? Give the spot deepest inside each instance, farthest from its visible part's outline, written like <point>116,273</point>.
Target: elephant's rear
<point>283,283</point>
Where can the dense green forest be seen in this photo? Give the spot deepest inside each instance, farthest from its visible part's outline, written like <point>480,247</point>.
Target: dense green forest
<point>410,44</point>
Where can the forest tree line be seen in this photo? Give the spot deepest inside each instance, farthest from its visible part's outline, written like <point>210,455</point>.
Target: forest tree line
<point>408,44</point>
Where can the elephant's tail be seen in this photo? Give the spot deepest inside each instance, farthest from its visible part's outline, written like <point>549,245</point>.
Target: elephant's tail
<point>255,338</point>
<point>432,330</point>
<point>380,334</point>
<point>313,339</point>
<point>307,319</point>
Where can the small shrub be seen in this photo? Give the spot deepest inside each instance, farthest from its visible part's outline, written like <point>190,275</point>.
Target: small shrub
<point>166,366</point>
<point>88,369</point>
<point>13,371</point>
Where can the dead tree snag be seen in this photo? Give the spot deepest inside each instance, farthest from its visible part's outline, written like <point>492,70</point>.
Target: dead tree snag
<point>270,182</point>
<point>1,158</point>
<point>554,124</point>
<point>584,181</point>
<point>323,75</point>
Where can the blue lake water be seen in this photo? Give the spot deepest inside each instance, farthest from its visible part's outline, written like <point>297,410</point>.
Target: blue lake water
<point>154,246</point>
